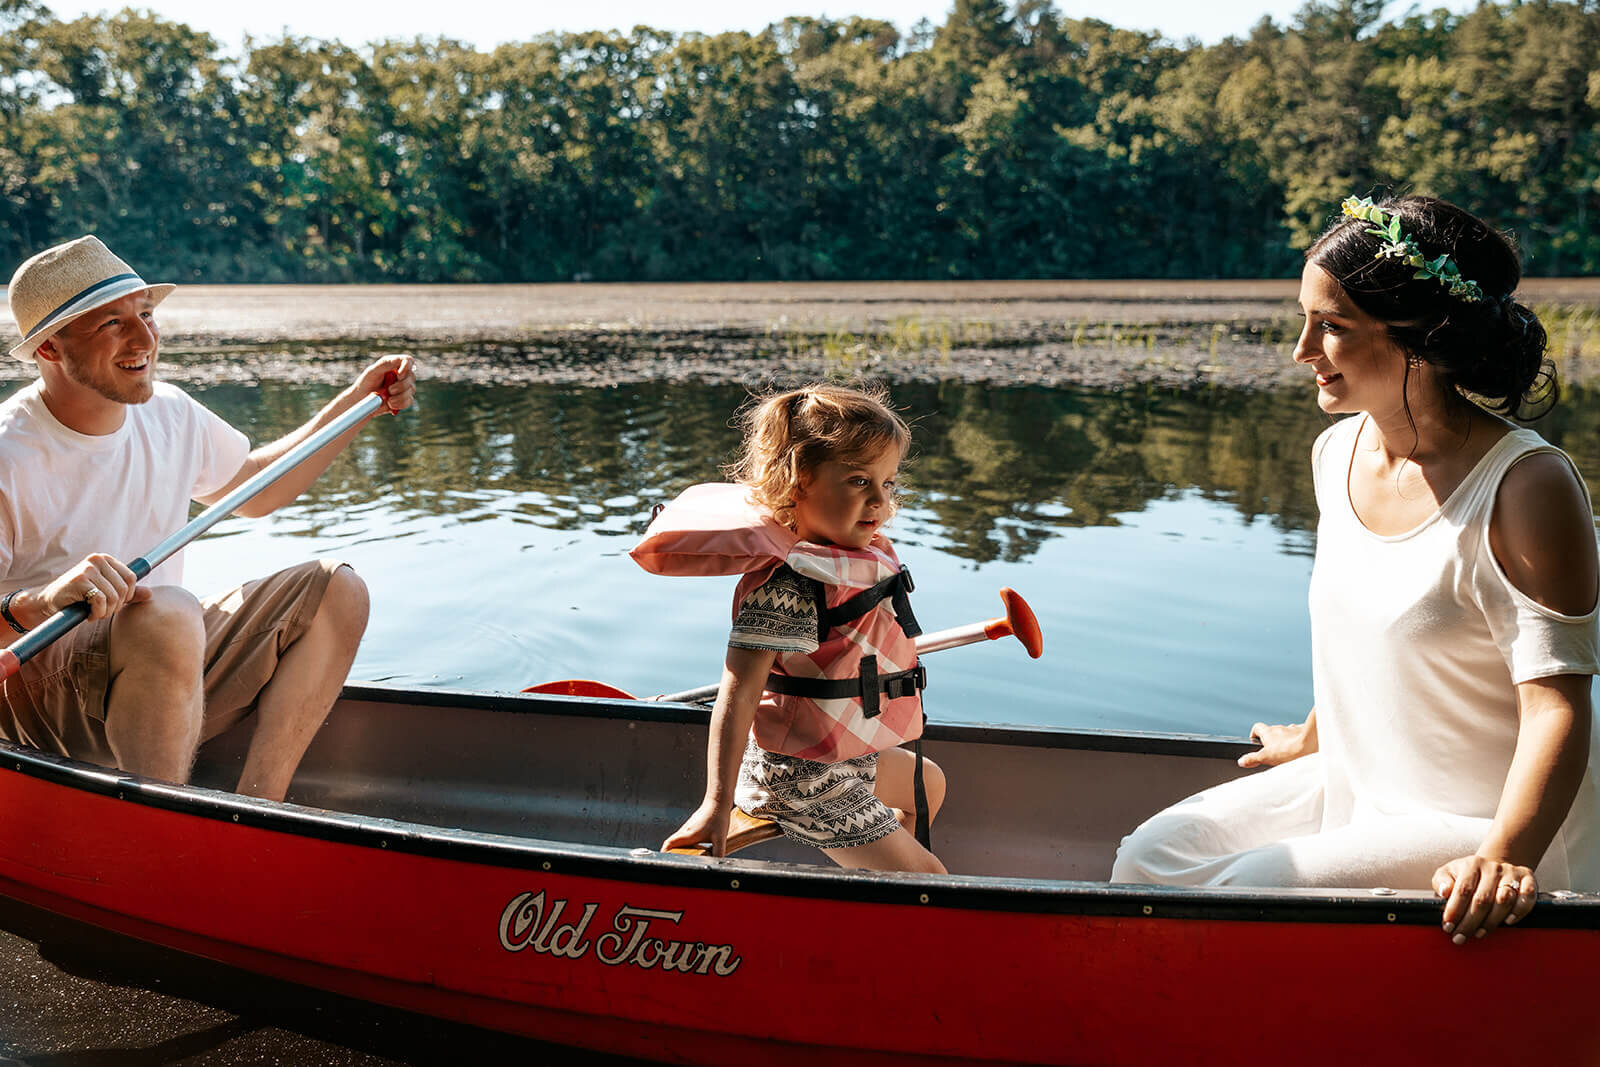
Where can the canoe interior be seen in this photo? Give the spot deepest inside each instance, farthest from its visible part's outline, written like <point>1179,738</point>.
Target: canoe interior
<point>1022,803</point>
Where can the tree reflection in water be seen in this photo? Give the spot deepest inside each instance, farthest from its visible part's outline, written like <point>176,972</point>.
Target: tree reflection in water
<point>999,470</point>
<point>1163,537</point>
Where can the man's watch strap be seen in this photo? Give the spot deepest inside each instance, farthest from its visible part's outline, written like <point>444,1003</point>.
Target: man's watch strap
<point>5,612</point>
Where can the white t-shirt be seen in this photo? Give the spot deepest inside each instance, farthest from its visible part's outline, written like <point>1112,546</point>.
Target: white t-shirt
<point>64,494</point>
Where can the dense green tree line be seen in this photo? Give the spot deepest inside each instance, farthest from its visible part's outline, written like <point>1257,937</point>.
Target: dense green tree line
<point>1008,142</point>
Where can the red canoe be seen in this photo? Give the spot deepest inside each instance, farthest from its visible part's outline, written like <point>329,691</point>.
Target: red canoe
<point>478,857</point>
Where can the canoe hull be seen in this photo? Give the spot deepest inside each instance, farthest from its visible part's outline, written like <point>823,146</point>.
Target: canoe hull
<point>701,961</point>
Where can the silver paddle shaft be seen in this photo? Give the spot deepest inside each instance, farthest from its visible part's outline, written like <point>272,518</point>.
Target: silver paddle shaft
<point>954,637</point>
<point>41,637</point>
<point>256,483</point>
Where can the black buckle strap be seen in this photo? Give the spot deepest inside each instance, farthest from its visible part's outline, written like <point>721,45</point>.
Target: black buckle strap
<point>869,687</point>
<point>890,686</point>
<point>919,794</point>
<point>906,683</point>
<point>896,589</point>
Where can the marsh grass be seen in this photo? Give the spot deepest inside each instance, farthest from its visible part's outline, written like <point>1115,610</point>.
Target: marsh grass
<point>913,337</point>
<point>1240,333</point>
<point>902,338</point>
<point>1573,330</point>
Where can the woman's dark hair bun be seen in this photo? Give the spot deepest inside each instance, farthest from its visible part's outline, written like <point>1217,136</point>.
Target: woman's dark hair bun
<point>1493,348</point>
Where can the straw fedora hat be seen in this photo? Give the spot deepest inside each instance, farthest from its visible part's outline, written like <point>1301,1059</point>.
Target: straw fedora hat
<point>61,283</point>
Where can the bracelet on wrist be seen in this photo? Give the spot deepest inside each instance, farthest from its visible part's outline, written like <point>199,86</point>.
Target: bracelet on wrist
<point>5,612</point>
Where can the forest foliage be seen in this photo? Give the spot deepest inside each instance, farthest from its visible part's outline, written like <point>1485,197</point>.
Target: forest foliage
<point>1008,142</point>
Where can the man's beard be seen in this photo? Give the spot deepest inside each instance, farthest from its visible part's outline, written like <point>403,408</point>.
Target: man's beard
<point>108,385</point>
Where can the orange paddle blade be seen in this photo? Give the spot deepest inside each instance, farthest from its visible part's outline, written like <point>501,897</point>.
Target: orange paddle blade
<point>581,687</point>
<point>1023,622</point>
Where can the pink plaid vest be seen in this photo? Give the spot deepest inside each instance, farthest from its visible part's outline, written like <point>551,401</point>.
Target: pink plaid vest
<point>718,529</point>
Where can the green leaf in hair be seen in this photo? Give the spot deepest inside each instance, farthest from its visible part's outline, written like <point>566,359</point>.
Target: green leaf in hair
<point>1397,244</point>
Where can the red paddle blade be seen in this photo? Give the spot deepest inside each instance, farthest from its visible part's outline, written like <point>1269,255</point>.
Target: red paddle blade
<point>581,687</point>
<point>1023,622</point>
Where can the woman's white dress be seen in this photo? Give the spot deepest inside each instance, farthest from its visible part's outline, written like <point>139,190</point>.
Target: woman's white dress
<point>1418,641</point>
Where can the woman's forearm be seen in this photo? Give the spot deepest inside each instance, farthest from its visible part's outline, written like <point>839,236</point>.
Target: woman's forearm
<point>1549,764</point>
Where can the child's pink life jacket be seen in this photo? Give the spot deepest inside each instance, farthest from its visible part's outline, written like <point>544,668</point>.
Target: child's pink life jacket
<point>860,691</point>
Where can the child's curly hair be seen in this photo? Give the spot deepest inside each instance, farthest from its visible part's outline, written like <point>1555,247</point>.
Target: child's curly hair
<point>789,435</point>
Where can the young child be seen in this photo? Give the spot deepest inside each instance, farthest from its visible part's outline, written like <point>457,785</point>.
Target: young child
<point>822,659</point>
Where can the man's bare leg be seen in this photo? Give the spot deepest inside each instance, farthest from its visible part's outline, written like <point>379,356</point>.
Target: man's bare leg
<point>156,701</point>
<point>310,674</point>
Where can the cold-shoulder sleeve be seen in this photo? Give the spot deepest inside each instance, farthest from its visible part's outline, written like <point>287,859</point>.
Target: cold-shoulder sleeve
<point>1536,641</point>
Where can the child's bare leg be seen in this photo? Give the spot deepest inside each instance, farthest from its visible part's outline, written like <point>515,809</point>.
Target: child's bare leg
<point>900,851</point>
<point>897,852</point>
<point>895,769</point>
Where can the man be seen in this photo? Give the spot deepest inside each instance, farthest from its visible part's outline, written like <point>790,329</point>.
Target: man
<point>98,463</point>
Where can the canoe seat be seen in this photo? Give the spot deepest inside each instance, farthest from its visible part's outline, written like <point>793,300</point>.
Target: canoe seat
<point>743,831</point>
<point>746,830</point>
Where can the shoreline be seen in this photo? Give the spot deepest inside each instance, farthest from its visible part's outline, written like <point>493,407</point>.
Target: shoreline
<point>1108,335</point>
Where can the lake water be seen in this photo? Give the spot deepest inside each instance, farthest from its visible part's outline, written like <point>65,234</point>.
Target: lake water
<point>1164,540</point>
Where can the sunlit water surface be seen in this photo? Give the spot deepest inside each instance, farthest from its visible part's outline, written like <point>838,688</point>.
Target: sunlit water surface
<point>1164,540</point>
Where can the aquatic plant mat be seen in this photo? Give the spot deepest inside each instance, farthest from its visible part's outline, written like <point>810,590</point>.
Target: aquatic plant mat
<point>1101,334</point>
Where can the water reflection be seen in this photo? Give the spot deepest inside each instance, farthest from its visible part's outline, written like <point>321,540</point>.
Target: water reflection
<point>1164,539</point>
<point>1000,470</point>
<point>1005,470</point>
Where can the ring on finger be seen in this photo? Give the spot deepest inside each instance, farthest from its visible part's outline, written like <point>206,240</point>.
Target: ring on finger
<point>93,592</point>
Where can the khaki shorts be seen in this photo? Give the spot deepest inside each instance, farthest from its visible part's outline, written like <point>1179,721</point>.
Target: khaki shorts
<point>57,702</point>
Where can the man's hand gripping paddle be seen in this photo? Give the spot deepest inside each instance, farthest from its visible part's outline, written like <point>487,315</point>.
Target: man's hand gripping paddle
<point>53,628</point>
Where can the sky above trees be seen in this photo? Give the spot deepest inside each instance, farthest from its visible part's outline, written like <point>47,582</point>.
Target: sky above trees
<point>486,23</point>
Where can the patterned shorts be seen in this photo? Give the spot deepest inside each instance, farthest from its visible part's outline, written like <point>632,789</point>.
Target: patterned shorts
<point>827,805</point>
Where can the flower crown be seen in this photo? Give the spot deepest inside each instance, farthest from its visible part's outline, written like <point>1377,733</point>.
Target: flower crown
<point>1399,245</point>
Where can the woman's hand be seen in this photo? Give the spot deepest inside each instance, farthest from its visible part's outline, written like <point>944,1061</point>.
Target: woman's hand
<point>1280,744</point>
<point>708,825</point>
<point>1480,893</point>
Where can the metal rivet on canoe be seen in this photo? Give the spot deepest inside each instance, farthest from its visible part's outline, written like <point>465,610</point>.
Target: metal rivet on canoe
<point>734,884</point>
<point>1148,910</point>
<point>922,898</point>
<point>1384,891</point>
<point>545,865</point>
<point>1391,916</point>
<point>383,844</point>
<point>235,816</point>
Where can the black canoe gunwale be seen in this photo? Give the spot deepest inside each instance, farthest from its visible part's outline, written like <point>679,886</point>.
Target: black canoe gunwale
<point>641,866</point>
<point>1146,742</point>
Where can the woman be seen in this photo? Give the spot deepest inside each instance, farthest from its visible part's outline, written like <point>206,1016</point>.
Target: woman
<point>1452,602</point>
